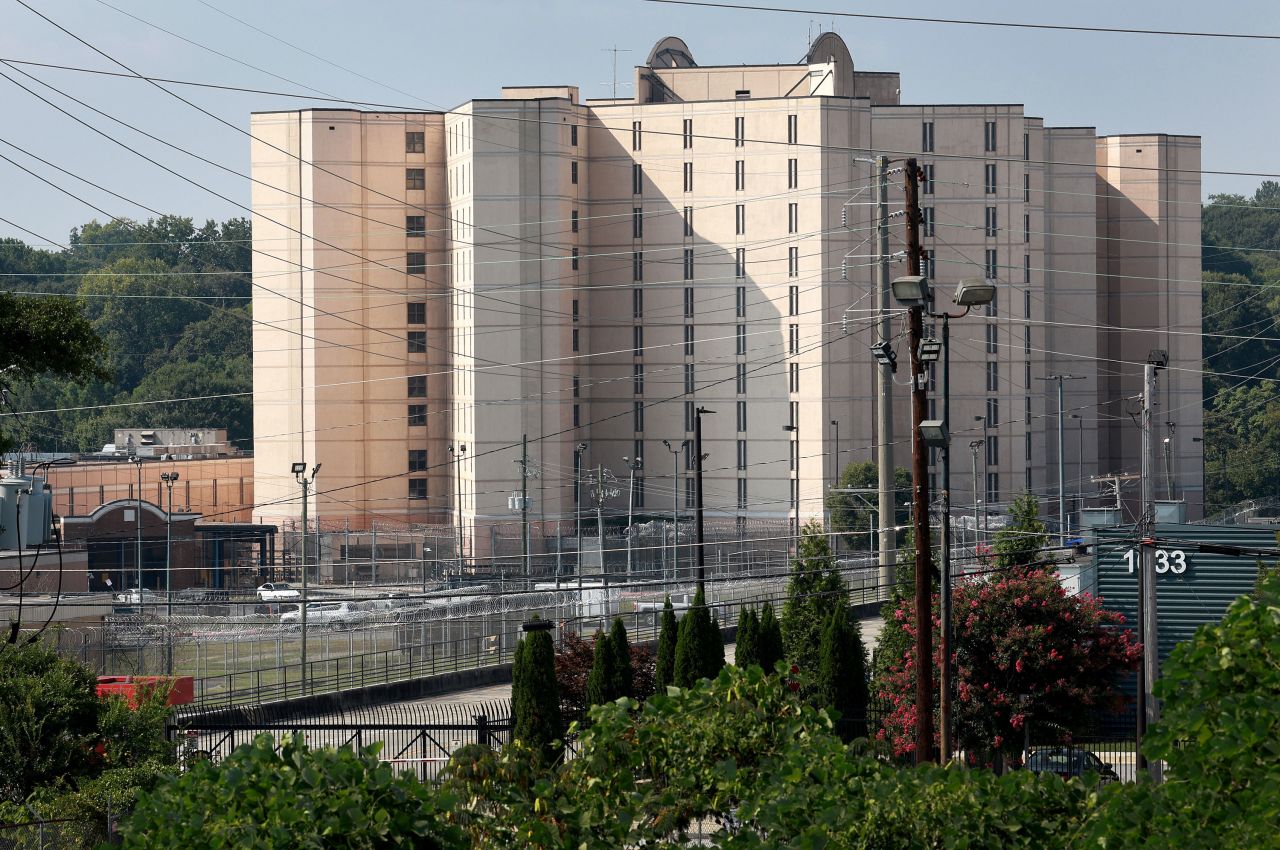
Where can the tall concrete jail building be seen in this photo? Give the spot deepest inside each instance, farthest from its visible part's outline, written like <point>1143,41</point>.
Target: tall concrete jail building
<point>591,271</point>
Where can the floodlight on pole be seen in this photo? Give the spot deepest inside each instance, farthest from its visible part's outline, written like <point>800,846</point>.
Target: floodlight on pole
<point>911,290</point>
<point>884,355</point>
<point>930,350</point>
<point>934,432</point>
<point>298,468</point>
<point>975,292</point>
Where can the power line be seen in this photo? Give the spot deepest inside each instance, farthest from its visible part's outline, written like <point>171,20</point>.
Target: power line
<point>826,13</point>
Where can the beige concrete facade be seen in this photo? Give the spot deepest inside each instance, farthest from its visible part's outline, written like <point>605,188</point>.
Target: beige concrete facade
<point>594,271</point>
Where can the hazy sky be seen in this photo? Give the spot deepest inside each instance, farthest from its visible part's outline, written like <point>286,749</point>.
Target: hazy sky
<point>438,54</point>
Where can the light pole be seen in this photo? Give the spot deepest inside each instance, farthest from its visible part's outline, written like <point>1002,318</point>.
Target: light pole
<point>633,464</point>
<point>137,461</point>
<point>974,446</point>
<point>457,514</point>
<point>299,471</point>
<point>169,479</point>
<point>1062,475</point>
<point>986,475</point>
<point>974,292</point>
<point>793,455</point>
<point>1079,468</point>
<point>577,511</point>
<point>675,504</point>
<point>698,517</point>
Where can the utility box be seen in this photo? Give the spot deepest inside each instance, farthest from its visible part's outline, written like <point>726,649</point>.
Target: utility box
<point>129,688</point>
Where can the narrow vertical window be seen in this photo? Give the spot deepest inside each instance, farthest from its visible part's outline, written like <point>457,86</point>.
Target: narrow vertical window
<point>575,340</point>
<point>637,378</point>
<point>688,379</point>
<point>739,131</point>
<point>637,222</point>
<point>992,263</point>
<point>742,416</point>
<point>1026,188</point>
<point>637,303</point>
<point>992,343</point>
<point>573,135</point>
<point>637,340</point>
<point>926,221</point>
<point>926,137</point>
<point>991,222</point>
<point>793,129</point>
<point>793,339</point>
<point>637,416</point>
<point>1026,146</point>
<point>688,302</point>
<point>993,377</point>
<point>573,221</point>
<point>740,219</point>
<point>990,178</point>
<point>1026,228</point>
<point>989,137</point>
<point>793,262</point>
<point>794,376</point>
<point>1026,268</point>
<point>793,217</point>
<point>926,183</point>
<point>793,173</point>
<point>740,302</point>
<point>688,221</point>
<point>574,309</point>
<point>688,176</point>
<point>688,133</point>
<point>635,135</point>
<point>742,454</point>
<point>740,262</point>
<point>637,266</point>
<point>793,300</point>
<point>740,379</point>
<point>740,175</point>
<point>688,340</point>
<point>637,178</point>
<point>740,338</point>
<point>573,172</point>
<point>573,259</point>
<point>742,494</point>
<point>688,264</point>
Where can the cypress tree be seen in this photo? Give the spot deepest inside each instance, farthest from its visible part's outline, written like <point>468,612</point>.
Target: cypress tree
<point>769,639</point>
<point>699,646</point>
<point>665,664</point>
<point>713,648</point>
<point>603,677</point>
<point>814,591</point>
<point>747,651</point>
<point>535,700</point>
<point>841,682</point>
<point>624,675</point>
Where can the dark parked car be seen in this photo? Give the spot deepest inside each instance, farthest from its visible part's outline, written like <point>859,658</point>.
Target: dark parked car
<point>1068,762</point>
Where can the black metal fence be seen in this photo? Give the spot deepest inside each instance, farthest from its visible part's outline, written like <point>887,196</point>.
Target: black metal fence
<point>416,737</point>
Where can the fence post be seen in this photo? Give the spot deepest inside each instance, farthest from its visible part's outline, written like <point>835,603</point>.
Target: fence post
<point>482,729</point>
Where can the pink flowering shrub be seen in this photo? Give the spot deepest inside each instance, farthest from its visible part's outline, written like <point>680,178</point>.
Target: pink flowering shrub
<point>1023,651</point>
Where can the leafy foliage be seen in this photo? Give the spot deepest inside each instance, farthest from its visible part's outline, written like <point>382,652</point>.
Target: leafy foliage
<point>851,517</point>
<point>1019,543</point>
<point>624,676</point>
<point>813,592</point>
<point>534,697</point>
<point>296,797</point>
<point>664,674</point>
<point>699,645</point>
<point>603,680</point>
<point>1024,650</point>
<point>573,667</point>
<point>842,673</point>
<point>769,639</point>
<point>747,651</point>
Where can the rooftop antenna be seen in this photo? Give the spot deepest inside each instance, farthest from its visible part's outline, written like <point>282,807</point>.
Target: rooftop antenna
<point>615,50</point>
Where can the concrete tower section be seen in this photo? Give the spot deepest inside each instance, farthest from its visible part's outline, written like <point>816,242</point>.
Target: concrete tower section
<point>591,272</point>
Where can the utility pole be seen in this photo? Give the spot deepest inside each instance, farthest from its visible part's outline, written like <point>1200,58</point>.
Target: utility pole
<point>524,508</point>
<point>697,448</point>
<point>974,446</point>
<point>137,460</point>
<point>602,492</point>
<point>920,483</point>
<point>944,595</point>
<point>1062,462</point>
<point>1148,627</point>
<point>884,388</point>
<point>675,504</point>
<point>793,451</point>
<point>986,508</point>
<point>457,473</point>
<point>577,512</point>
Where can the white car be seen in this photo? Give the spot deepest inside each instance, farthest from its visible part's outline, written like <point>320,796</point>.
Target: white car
<point>278,592</point>
<point>326,614</point>
<point>136,597</point>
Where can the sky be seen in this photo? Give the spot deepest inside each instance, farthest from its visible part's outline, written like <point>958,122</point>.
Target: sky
<point>432,54</point>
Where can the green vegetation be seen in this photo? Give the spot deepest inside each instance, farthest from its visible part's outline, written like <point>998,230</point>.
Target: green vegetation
<point>747,650</point>
<point>535,699</point>
<point>167,310</point>
<point>603,680</point>
<point>1241,305</point>
<point>699,645</point>
<point>1018,544</point>
<point>665,671</point>
<point>261,798</point>
<point>769,639</point>
<point>624,676</point>
<point>853,516</point>
<point>814,591</point>
<point>842,673</point>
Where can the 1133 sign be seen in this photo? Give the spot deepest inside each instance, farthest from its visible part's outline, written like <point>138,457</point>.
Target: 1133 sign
<point>1167,561</point>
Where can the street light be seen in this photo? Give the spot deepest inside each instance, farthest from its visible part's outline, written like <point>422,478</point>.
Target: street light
<point>975,292</point>
<point>577,511</point>
<point>698,516</point>
<point>675,504</point>
<point>299,473</point>
<point>793,456</point>
<point>935,433</point>
<point>137,461</point>
<point>169,479</point>
<point>633,464</point>
<point>929,350</point>
<point>884,355</point>
<point>911,290</point>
